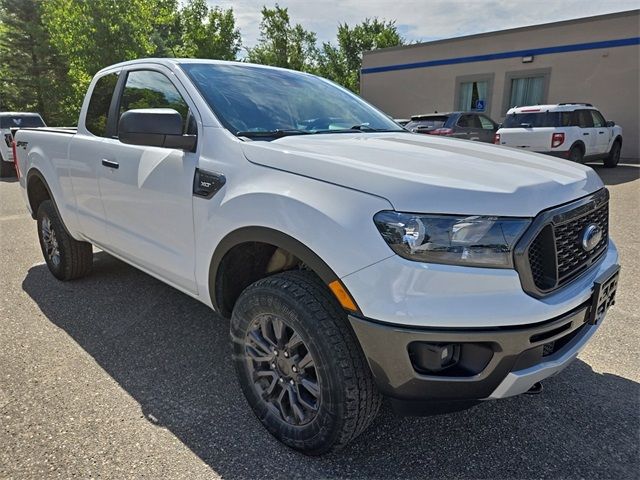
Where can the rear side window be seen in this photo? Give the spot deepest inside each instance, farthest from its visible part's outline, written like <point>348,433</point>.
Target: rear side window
<point>98,111</point>
<point>21,121</point>
<point>568,119</point>
<point>469,121</point>
<point>584,118</point>
<point>149,89</point>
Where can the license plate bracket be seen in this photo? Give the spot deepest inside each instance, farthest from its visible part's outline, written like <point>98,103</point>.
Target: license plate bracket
<point>604,294</point>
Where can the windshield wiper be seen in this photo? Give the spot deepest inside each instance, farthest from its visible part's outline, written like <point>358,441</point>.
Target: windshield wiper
<point>363,127</point>
<point>277,133</point>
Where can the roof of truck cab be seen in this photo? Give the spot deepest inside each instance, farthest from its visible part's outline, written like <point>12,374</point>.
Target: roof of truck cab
<point>173,62</point>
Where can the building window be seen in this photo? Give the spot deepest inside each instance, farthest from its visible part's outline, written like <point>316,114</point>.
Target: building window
<point>527,91</point>
<point>528,87</point>
<point>473,93</point>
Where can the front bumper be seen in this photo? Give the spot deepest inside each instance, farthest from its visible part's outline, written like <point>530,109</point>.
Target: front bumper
<point>414,294</point>
<point>491,362</point>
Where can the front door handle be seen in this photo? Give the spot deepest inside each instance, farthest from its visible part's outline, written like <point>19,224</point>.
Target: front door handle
<point>586,133</point>
<point>600,133</point>
<point>110,163</point>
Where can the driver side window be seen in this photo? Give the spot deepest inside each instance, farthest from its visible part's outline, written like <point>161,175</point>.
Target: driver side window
<point>150,89</point>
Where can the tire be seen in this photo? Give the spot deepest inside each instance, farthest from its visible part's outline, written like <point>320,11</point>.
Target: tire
<point>346,399</point>
<point>576,154</point>
<point>614,155</point>
<point>7,169</point>
<point>66,257</point>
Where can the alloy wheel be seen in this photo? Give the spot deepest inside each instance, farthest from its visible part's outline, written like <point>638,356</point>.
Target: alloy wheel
<point>50,241</point>
<point>283,370</point>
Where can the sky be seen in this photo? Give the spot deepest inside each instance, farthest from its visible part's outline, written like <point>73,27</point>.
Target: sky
<point>420,21</point>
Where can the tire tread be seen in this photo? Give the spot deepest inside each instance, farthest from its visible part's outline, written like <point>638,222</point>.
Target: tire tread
<point>363,399</point>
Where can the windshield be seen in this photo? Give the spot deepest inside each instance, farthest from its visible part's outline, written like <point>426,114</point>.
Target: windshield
<point>21,121</point>
<point>249,99</point>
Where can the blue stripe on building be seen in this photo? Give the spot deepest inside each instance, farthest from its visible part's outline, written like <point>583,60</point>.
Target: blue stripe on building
<point>576,47</point>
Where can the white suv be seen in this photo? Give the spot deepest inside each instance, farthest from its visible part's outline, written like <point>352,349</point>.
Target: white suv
<point>576,131</point>
<point>9,120</point>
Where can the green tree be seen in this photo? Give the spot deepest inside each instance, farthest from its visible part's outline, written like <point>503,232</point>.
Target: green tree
<point>284,45</point>
<point>342,63</point>
<point>166,37</point>
<point>92,34</point>
<point>209,33</point>
<point>32,74</point>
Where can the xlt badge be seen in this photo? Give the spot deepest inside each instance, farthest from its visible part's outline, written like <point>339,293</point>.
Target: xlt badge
<point>207,184</point>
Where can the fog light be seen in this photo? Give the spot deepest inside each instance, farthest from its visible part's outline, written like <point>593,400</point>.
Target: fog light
<point>434,357</point>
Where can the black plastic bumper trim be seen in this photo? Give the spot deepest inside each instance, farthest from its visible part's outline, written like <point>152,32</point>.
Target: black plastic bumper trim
<point>386,349</point>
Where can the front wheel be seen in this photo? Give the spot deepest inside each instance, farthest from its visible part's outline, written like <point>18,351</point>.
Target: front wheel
<point>611,161</point>
<point>300,365</point>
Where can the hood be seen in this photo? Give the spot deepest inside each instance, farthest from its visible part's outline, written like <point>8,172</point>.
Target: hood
<point>428,174</point>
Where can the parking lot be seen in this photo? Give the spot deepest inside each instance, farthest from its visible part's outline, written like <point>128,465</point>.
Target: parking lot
<point>118,375</point>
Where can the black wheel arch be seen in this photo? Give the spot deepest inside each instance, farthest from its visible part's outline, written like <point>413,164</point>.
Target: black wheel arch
<point>38,190</point>
<point>262,236</point>
<point>580,144</point>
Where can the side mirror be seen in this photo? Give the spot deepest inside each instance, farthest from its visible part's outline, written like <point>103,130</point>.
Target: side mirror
<point>611,124</point>
<point>154,127</point>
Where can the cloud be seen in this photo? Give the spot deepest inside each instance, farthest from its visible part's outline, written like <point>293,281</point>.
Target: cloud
<point>420,20</point>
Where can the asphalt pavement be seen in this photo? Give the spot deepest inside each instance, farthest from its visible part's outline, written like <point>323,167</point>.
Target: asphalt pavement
<point>119,376</point>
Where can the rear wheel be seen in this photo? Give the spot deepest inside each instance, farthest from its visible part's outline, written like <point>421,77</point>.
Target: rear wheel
<point>576,154</point>
<point>614,155</point>
<point>66,257</point>
<point>300,365</point>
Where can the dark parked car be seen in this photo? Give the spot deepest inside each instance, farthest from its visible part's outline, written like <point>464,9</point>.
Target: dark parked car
<point>466,125</point>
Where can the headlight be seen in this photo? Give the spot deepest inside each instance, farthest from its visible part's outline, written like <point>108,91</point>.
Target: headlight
<point>456,240</point>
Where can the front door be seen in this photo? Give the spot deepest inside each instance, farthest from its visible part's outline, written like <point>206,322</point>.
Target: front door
<point>488,130</point>
<point>589,134</point>
<point>147,191</point>
<point>601,132</point>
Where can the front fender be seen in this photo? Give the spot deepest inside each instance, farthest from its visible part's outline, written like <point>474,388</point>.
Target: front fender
<point>333,223</point>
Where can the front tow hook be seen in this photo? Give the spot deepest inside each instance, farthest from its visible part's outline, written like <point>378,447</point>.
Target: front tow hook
<point>535,389</point>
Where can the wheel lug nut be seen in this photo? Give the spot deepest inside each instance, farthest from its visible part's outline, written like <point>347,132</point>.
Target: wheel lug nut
<point>286,354</point>
<point>281,380</point>
<point>294,369</point>
<point>275,352</point>
<point>273,365</point>
<point>291,382</point>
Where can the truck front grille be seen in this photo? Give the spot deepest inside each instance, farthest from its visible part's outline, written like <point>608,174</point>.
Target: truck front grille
<point>553,255</point>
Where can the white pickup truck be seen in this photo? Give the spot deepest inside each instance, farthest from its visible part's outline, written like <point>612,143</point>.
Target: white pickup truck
<point>355,259</point>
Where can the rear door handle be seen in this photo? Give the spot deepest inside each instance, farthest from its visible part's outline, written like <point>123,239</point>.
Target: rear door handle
<point>600,133</point>
<point>586,133</point>
<point>110,163</point>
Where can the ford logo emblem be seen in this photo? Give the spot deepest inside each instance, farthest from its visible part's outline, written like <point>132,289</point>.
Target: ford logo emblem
<point>591,237</point>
